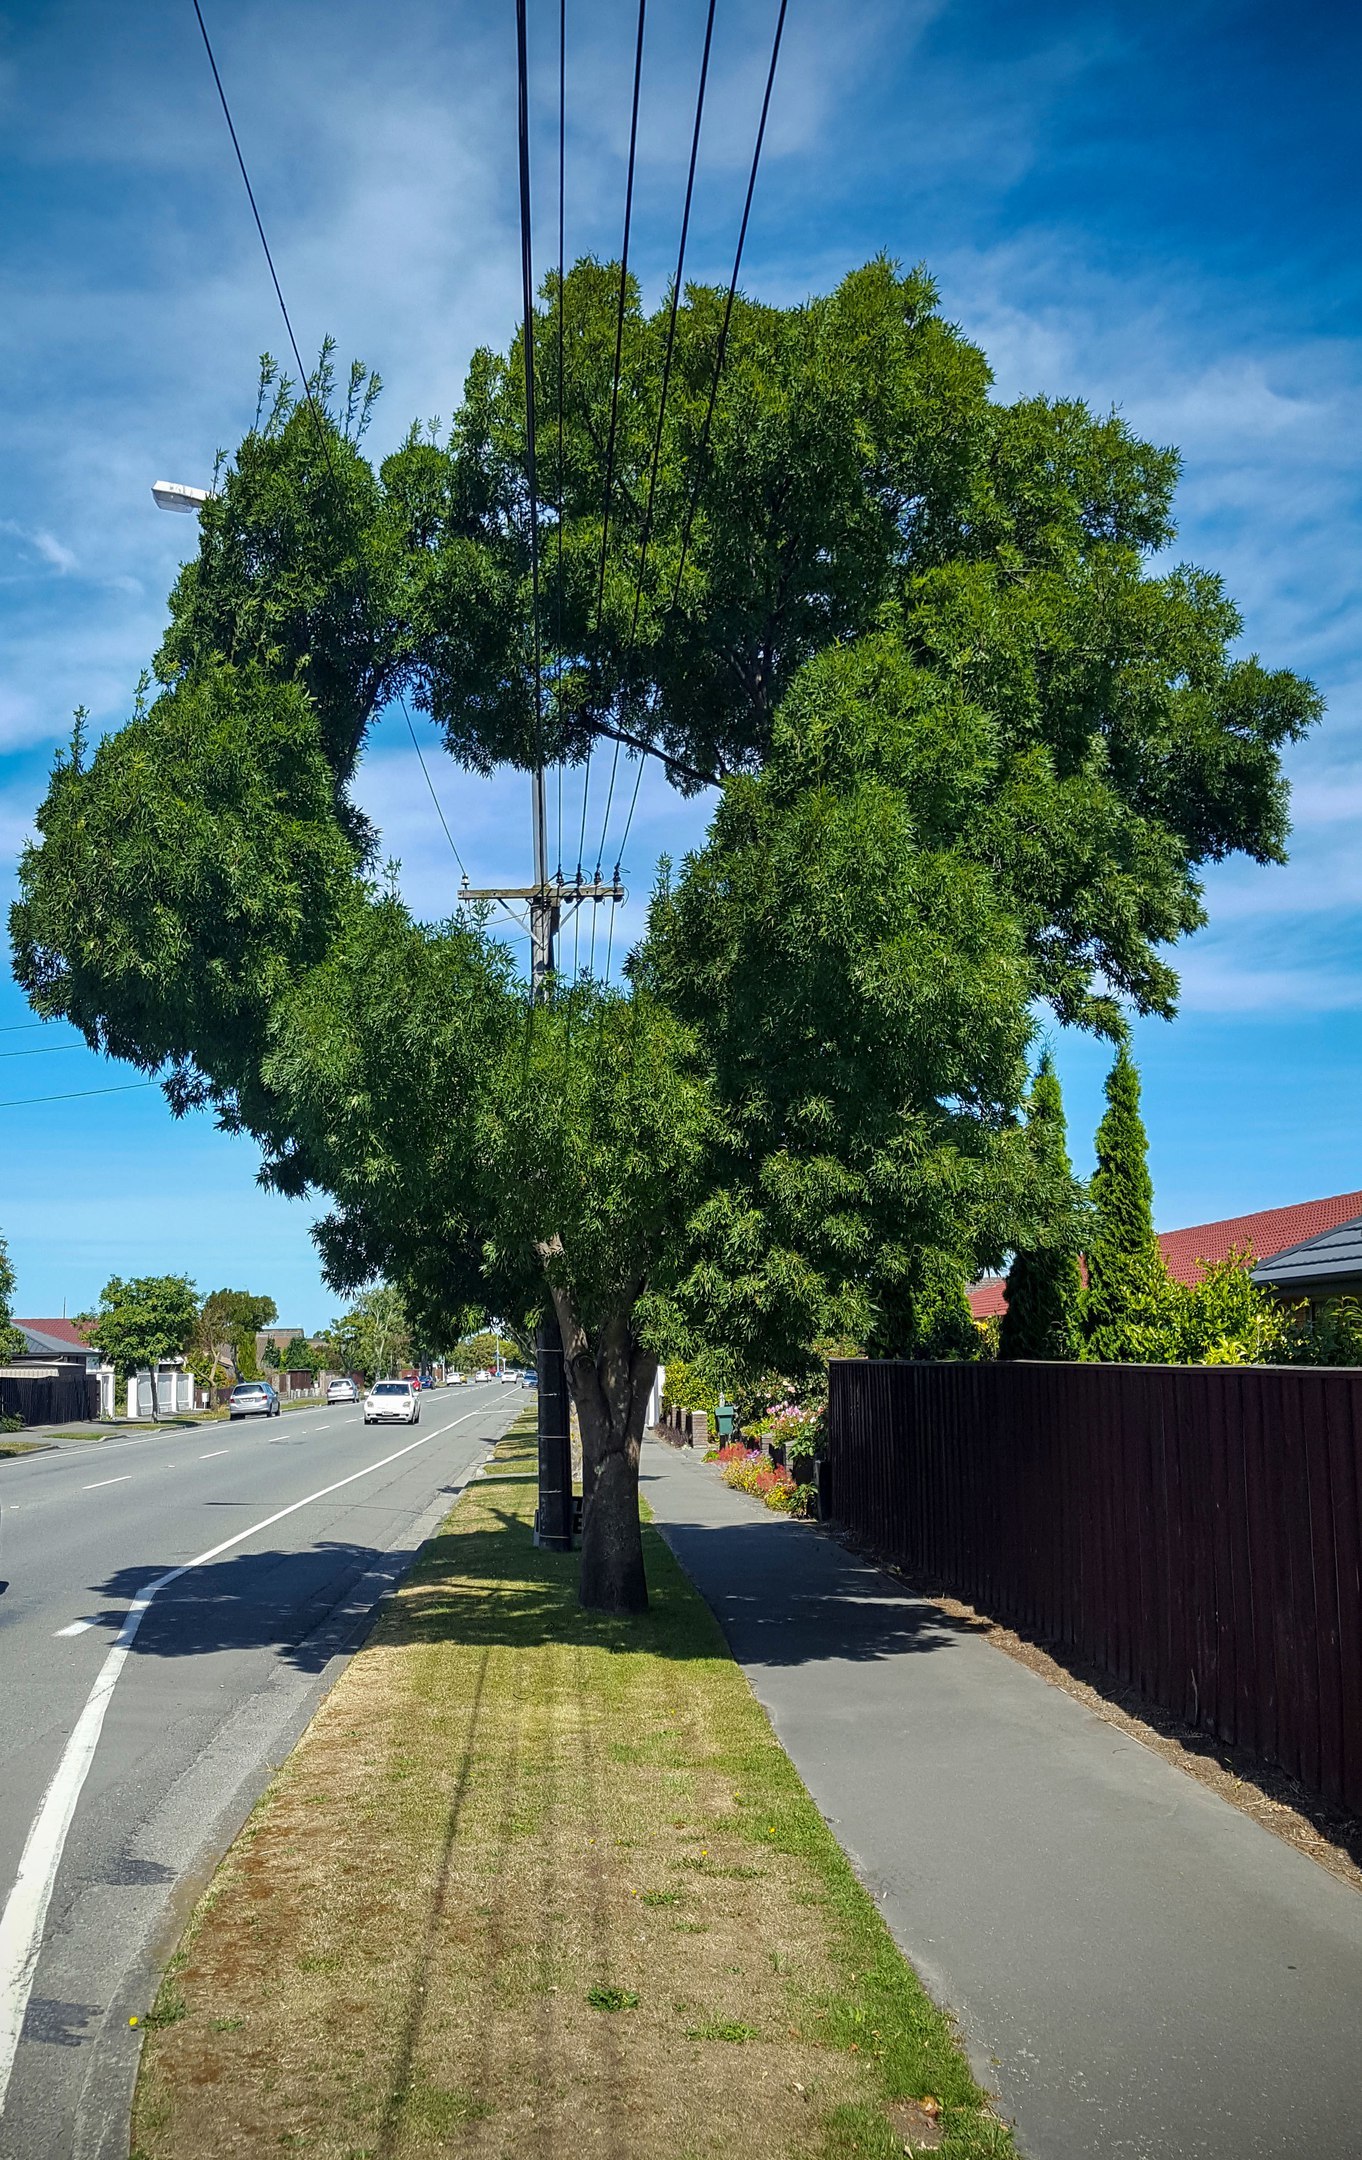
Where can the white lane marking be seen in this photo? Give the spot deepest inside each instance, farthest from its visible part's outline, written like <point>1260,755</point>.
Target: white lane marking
<point>97,1487</point>
<point>77,1627</point>
<point>21,1923</point>
<point>213,1453</point>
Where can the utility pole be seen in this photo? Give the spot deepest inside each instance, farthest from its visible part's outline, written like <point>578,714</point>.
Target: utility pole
<point>546,900</point>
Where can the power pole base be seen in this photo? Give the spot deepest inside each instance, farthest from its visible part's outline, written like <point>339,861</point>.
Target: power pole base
<point>553,1516</point>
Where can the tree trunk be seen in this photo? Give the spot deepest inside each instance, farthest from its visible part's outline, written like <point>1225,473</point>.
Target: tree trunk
<point>611,1379</point>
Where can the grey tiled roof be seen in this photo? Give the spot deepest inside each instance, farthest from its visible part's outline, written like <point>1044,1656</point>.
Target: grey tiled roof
<point>1334,1253</point>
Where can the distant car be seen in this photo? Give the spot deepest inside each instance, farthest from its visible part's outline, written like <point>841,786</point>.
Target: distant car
<point>529,1379</point>
<point>392,1402</point>
<point>425,1380</point>
<point>252,1398</point>
<point>456,1379</point>
<point>342,1391</point>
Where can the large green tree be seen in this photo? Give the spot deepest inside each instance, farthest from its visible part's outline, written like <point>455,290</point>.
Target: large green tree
<point>12,1343</point>
<point>144,1321</point>
<point>975,744</point>
<point>1045,1283</point>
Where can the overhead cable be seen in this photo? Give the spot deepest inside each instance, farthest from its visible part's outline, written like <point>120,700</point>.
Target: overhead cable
<point>322,436</point>
<point>728,304</point>
<point>615,384</point>
<point>655,459</point>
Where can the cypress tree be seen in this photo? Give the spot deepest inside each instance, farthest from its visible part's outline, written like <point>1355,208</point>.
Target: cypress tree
<point>1044,1284</point>
<point>1130,1306</point>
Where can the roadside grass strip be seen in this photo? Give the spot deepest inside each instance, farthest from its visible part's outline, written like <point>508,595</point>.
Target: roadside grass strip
<point>535,1882</point>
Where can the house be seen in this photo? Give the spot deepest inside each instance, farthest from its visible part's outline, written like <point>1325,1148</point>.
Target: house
<point>1270,1236</point>
<point>1328,1265</point>
<point>62,1341</point>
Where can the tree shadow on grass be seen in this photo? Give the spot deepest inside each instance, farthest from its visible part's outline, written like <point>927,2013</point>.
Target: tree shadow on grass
<point>487,1584</point>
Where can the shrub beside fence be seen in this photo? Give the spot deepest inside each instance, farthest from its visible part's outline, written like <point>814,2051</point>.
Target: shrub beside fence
<point>1195,1530</point>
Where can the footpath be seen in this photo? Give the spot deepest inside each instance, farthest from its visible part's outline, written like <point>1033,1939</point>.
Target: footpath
<point>1136,1968</point>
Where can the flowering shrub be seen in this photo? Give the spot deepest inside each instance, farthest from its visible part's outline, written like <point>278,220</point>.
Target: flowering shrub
<point>789,1425</point>
<point>749,1470</point>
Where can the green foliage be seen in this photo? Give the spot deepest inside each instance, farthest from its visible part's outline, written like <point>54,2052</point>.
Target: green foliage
<point>223,1341</point>
<point>300,1356</point>
<point>685,1389</point>
<point>184,877</point>
<point>145,1320</point>
<point>976,748</point>
<point>479,1353</point>
<point>374,1337</point>
<point>861,990</point>
<point>1045,1282</point>
<point>1130,1311</point>
<point>12,1342</point>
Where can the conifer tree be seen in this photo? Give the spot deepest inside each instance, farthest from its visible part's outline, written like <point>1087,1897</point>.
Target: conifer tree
<point>1044,1284</point>
<point>1130,1308</point>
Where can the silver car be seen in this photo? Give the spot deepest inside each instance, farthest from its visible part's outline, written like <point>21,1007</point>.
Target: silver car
<point>342,1391</point>
<point>252,1398</point>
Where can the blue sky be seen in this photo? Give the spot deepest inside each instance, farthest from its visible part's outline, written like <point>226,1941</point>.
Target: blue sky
<point>1154,208</point>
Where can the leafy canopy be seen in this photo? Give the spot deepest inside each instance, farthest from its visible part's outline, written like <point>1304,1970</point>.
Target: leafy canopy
<point>144,1321</point>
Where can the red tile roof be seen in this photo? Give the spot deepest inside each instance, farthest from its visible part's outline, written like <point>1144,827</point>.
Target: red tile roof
<point>1270,1231</point>
<point>62,1330</point>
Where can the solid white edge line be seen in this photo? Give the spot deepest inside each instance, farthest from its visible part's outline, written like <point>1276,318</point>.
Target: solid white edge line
<point>25,1913</point>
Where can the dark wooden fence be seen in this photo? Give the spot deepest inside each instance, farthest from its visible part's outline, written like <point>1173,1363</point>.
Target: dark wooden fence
<point>1196,1530</point>
<point>45,1398</point>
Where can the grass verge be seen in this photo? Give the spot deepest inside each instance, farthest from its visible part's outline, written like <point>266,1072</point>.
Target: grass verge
<point>539,1883</point>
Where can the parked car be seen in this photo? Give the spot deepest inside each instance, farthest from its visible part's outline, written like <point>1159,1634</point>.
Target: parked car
<point>425,1380</point>
<point>252,1398</point>
<point>342,1391</point>
<point>392,1402</point>
<point>529,1379</point>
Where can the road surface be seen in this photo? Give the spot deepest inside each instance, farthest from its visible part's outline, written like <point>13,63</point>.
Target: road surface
<point>136,1736</point>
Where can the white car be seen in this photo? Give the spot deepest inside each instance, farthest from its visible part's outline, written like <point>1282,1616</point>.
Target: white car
<point>342,1391</point>
<point>392,1402</point>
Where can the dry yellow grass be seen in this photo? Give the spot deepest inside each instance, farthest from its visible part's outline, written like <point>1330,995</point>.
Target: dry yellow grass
<point>539,1884</point>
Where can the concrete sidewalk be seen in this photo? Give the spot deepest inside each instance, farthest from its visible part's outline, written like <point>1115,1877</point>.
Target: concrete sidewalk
<point>1138,1970</point>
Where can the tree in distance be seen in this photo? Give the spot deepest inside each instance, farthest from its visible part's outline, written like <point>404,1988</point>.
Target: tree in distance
<point>974,745</point>
<point>373,1338</point>
<point>1045,1282</point>
<point>481,1352</point>
<point>145,1321</point>
<point>12,1342</point>
<point>224,1335</point>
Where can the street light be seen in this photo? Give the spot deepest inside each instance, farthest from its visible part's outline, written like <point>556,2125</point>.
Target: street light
<point>172,495</point>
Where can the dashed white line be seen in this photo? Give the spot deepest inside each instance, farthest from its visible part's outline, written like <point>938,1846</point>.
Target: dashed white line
<point>213,1452</point>
<point>77,1627</point>
<point>124,1480</point>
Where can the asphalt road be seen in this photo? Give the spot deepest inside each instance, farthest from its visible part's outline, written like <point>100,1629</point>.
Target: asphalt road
<point>136,1738</point>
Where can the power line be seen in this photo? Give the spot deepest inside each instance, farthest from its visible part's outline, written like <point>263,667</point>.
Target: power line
<point>19,1027</point>
<point>728,304</point>
<point>46,1049</point>
<point>614,399</point>
<point>656,457</point>
<point>126,1087</point>
<point>718,368</point>
<point>562,312</point>
<point>322,436</point>
<point>615,389</point>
